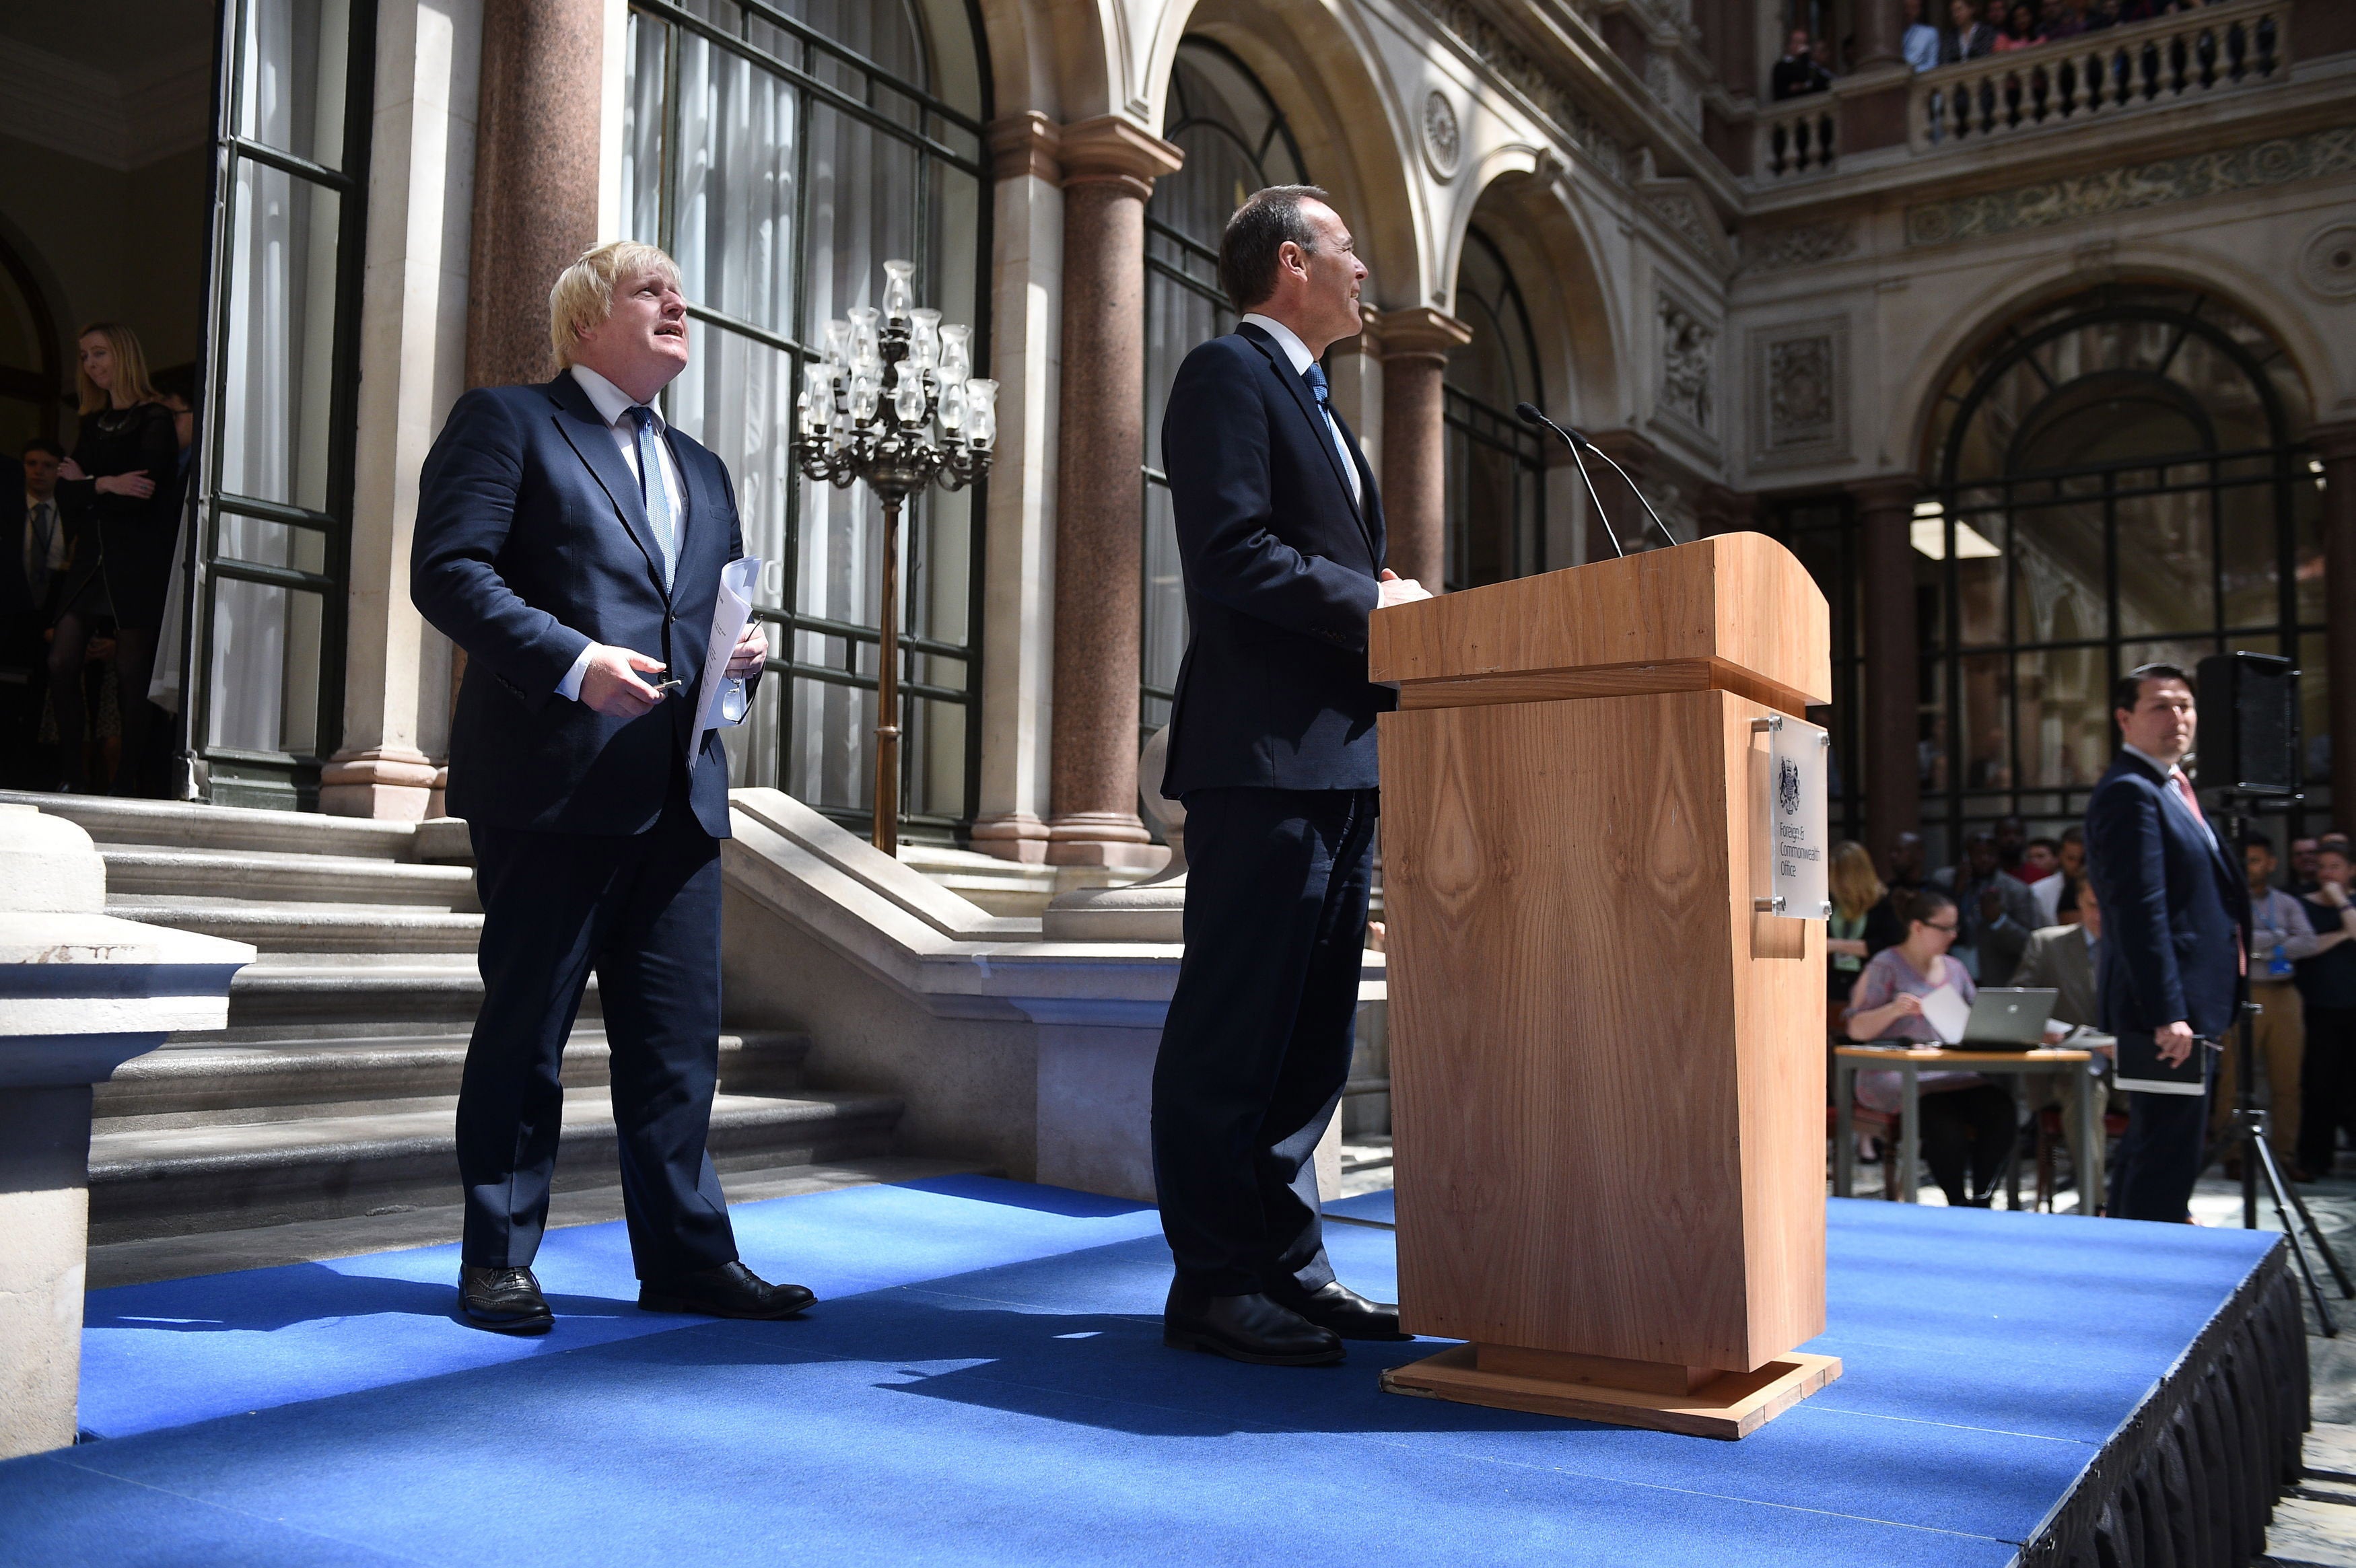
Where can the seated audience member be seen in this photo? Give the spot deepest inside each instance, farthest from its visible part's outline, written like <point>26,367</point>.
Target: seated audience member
<point>2327,991</point>
<point>1799,72</point>
<point>37,544</point>
<point>2062,958</point>
<point>2020,30</point>
<point>1966,1120</point>
<point>1999,912</point>
<point>1863,922</point>
<point>1921,44</point>
<point>1968,37</point>
<point>2280,936</point>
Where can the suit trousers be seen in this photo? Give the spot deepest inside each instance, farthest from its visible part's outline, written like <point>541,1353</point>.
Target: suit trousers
<point>2328,1086</point>
<point>643,911</point>
<point>1256,1045</point>
<point>2160,1159</point>
<point>2278,1041</point>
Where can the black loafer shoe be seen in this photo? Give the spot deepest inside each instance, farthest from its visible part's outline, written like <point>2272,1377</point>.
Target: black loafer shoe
<point>732,1290</point>
<point>1337,1307</point>
<point>1246,1329</point>
<point>504,1300</point>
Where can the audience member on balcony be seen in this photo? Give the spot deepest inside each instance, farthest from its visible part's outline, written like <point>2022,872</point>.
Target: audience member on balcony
<point>1799,72</point>
<point>2021,29</point>
<point>1865,919</point>
<point>1965,1119</point>
<point>1921,45</point>
<point>1966,37</point>
<point>121,473</point>
<point>2065,19</point>
<point>2102,14</point>
<point>1998,912</point>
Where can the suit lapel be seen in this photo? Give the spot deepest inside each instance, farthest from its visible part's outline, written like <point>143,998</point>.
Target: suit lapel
<point>1317,432</point>
<point>593,440</point>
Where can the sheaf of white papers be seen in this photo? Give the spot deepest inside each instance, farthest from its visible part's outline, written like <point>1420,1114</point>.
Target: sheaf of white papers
<point>720,701</point>
<point>1947,1013</point>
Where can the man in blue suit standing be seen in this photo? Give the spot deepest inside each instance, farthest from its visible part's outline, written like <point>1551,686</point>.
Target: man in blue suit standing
<point>1272,750</point>
<point>572,543</point>
<point>2176,909</point>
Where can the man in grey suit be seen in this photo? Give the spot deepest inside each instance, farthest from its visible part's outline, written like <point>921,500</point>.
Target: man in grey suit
<point>2062,958</point>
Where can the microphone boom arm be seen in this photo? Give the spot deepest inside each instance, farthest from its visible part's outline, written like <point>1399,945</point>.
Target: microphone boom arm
<point>1530,414</point>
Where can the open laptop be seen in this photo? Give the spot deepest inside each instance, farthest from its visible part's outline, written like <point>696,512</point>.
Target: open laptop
<point>2002,1017</point>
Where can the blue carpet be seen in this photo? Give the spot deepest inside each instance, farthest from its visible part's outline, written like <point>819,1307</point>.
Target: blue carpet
<point>985,1385</point>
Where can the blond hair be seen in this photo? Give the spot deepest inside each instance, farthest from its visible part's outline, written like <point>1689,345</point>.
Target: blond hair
<point>1855,885</point>
<point>583,295</point>
<point>130,368</point>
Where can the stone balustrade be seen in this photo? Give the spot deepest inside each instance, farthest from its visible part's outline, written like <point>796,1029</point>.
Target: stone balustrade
<point>1801,136</point>
<point>2097,77</point>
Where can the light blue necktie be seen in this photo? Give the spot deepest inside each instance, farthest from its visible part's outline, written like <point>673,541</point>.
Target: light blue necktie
<point>1315,377</point>
<point>654,492</point>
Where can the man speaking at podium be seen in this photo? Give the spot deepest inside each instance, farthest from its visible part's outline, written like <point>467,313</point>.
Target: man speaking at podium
<point>1272,750</point>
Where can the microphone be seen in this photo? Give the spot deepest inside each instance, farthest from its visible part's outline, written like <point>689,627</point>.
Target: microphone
<point>1529,414</point>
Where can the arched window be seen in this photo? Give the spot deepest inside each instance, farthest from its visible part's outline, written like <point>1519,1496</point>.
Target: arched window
<point>1496,464</point>
<point>2117,484</point>
<point>1235,143</point>
<point>780,153</point>
<point>30,374</point>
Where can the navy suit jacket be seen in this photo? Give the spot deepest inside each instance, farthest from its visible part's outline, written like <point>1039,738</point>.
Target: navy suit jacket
<point>1281,566</point>
<point>2172,905</point>
<point>532,542</point>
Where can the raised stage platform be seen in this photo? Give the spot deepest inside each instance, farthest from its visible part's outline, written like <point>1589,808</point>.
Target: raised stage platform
<point>984,1383</point>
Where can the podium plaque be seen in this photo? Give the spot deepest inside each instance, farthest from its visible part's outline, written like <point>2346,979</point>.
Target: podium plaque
<point>1607,1060</point>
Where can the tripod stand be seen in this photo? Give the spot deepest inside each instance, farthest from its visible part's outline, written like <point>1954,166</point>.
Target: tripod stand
<point>2248,1141</point>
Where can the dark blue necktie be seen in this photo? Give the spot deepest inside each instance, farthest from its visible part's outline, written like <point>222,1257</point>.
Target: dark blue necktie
<point>1315,377</point>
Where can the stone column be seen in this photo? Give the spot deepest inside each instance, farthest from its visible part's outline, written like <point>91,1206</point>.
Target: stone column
<point>1109,167</point>
<point>536,166</point>
<point>1415,348</point>
<point>1893,791</point>
<point>1019,567</point>
<point>413,315</point>
<point>1880,33</point>
<point>2336,446</point>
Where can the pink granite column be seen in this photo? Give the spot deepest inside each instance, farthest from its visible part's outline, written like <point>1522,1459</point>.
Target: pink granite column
<point>2336,446</point>
<point>1415,348</point>
<point>1109,167</point>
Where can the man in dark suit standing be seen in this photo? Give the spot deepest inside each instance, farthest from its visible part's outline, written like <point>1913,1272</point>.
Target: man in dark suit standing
<point>571,543</point>
<point>35,547</point>
<point>1272,750</point>
<point>2175,913</point>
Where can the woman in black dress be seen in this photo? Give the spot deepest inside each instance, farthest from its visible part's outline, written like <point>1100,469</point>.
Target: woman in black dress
<point>123,455</point>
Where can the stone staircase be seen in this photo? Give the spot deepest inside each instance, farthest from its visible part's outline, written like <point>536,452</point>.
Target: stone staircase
<point>332,1091</point>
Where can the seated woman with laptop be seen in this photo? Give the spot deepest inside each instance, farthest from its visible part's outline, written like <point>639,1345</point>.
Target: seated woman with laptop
<point>1966,1120</point>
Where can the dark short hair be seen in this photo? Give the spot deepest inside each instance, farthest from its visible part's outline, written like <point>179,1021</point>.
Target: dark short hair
<point>1254,234</point>
<point>2074,834</point>
<point>2072,890</point>
<point>2339,849</point>
<point>2129,691</point>
<point>178,381</point>
<point>43,444</point>
<point>2254,839</point>
<point>1924,902</point>
<point>2052,844</point>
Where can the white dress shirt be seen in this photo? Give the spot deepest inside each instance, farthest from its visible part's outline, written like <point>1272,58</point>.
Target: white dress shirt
<point>613,406</point>
<point>1298,353</point>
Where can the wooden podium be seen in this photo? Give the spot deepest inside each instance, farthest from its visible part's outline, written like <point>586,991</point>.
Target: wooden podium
<point>1607,1067</point>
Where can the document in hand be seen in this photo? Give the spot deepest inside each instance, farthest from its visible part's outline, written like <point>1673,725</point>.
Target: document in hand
<point>720,701</point>
<point>1948,1014</point>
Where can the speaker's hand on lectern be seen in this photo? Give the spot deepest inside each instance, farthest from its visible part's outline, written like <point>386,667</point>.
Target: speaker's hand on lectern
<point>1393,589</point>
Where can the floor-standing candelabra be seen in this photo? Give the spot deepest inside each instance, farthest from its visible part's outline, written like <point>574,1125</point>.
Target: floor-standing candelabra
<point>893,404</point>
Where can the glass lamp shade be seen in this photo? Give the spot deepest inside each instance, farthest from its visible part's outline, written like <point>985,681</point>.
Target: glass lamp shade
<point>838,343</point>
<point>924,338</point>
<point>954,365</point>
<point>898,290</point>
<point>865,351</point>
<point>866,391</point>
<point>980,414</point>
<point>806,418</point>
<point>908,395</point>
<point>951,408</point>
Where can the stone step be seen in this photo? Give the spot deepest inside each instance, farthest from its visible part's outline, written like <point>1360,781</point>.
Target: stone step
<point>277,877</point>
<point>192,824</point>
<point>1011,887</point>
<point>145,1183</point>
<point>206,1085</point>
<point>311,928</point>
<point>306,988</point>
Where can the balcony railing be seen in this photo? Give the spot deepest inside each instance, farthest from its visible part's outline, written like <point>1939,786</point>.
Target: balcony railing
<point>1799,136</point>
<point>2097,77</point>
